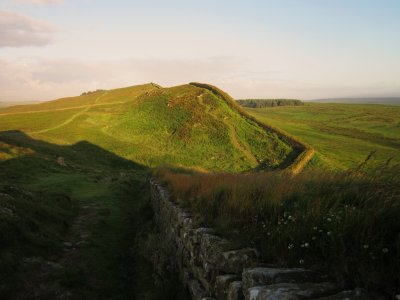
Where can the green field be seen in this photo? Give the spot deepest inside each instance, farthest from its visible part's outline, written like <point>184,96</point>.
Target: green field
<point>343,135</point>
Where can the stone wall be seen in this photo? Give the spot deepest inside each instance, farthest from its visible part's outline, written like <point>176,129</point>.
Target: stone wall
<point>211,268</point>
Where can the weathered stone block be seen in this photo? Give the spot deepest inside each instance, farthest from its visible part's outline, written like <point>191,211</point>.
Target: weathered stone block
<point>212,246</point>
<point>356,294</point>
<point>235,291</point>
<point>196,290</point>
<point>222,283</point>
<point>236,260</point>
<point>266,276</point>
<point>291,291</point>
<point>198,233</point>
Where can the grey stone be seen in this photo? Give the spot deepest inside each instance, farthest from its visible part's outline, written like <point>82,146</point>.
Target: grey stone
<point>235,291</point>
<point>198,233</point>
<point>222,283</point>
<point>54,265</point>
<point>291,291</point>
<point>356,294</point>
<point>67,245</point>
<point>212,246</point>
<point>265,276</point>
<point>236,260</point>
<point>196,290</point>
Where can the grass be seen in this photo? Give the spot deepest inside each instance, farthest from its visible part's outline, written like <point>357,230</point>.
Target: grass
<point>343,223</point>
<point>342,135</point>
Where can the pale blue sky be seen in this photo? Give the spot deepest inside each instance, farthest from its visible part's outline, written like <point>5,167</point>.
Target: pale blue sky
<point>283,48</point>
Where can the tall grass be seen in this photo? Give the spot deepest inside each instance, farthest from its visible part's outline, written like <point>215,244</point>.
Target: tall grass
<point>346,224</point>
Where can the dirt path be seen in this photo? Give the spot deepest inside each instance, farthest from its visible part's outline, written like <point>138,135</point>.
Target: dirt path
<point>233,135</point>
<point>71,119</point>
<point>61,109</point>
<point>40,273</point>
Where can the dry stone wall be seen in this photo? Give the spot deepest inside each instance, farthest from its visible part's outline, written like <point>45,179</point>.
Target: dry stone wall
<point>211,268</point>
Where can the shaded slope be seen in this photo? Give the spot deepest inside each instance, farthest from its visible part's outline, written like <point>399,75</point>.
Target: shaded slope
<point>69,221</point>
<point>186,125</point>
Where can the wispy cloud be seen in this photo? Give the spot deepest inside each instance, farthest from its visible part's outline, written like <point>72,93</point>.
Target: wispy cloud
<point>18,30</point>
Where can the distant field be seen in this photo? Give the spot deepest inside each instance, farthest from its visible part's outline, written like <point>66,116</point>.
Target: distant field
<point>343,135</point>
<point>381,100</point>
<point>7,103</point>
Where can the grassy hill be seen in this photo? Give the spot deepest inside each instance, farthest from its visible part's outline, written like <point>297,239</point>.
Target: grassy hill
<point>74,214</point>
<point>343,135</point>
<point>184,125</point>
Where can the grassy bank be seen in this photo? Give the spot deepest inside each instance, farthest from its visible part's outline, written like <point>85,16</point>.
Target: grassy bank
<point>343,223</point>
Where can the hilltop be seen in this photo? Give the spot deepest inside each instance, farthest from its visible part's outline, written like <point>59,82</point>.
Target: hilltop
<point>186,125</point>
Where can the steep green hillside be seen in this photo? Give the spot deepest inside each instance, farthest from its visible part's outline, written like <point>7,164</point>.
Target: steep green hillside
<point>185,125</point>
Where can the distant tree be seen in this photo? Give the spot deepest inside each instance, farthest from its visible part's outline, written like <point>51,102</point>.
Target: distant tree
<point>259,103</point>
<point>92,92</point>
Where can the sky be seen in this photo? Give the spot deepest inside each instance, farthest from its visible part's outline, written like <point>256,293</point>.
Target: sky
<point>304,49</point>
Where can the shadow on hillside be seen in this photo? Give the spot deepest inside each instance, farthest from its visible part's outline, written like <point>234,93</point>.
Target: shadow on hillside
<point>70,217</point>
<point>83,152</point>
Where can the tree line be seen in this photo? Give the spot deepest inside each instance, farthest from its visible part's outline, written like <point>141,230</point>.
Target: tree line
<point>260,103</point>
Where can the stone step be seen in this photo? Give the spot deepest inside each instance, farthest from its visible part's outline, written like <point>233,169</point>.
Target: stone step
<point>235,291</point>
<point>265,276</point>
<point>222,283</point>
<point>356,294</point>
<point>291,291</point>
